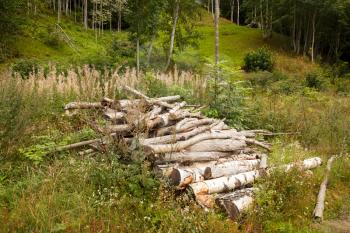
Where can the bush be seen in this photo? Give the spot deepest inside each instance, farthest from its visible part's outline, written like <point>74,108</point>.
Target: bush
<point>26,67</point>
<point>51,38</point>
<point>258,60</point>
<point>314,80</point>
<point>120,48</point>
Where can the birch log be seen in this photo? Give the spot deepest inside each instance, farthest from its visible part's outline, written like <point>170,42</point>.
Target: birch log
<point>236,202</point>
<point>306,164</point>
<point>83,105</point>
<point>230,168</point>
<point>182,177</point>
<point>113,115</point>
<point>318,211</point>
<point>224,184</point>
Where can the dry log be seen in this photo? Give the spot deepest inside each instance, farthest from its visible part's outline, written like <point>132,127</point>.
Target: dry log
<point>147,99</point>
<point>193,156</point>
<point>182,177</point>
<point>236,202</point>
<point>176,137</point>
<point>257,143</point>
<point>209,138</point>
<point>83,105</point>
<point>224,184</point>
<point>321,197</point>
<point>263,162</point>
<point>227,183</point>
<point>114,115</point>
<point>227,145</point>
<point>230,168</point>
<point>303,165</point>
<point>193,124</point>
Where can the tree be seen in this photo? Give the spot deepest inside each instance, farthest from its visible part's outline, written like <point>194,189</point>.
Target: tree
<point>172,36</point>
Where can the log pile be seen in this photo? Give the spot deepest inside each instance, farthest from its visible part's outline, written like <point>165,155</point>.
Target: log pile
<point>211,160</point>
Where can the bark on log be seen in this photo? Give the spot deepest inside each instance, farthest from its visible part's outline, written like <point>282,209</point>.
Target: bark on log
<point>321,197</point>
<point>230,168</point>
<point>182,177</point>
<point>263,162</point>
<point>114,115</point>
<point>83,105</point>
<point>303,165</point>
<point>236,202</point>
<point>176,137</point>
<point>119,128</point>
<point>224,184</point>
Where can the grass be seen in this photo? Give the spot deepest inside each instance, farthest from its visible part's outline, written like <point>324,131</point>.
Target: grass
<point>31,41</point>
<point>236,41</point>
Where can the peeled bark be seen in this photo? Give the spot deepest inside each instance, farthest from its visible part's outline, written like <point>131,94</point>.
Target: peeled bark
<point>321,197</point>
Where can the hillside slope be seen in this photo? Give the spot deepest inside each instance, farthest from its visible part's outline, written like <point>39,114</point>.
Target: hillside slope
<point>41,40</point>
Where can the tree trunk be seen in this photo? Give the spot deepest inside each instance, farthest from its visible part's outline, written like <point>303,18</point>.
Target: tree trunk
<point>149,53</point>
<point>172,37</point>
<point>318,212</point>
<point>86,14</point>
<point>59,8</point>
<point>232,9</point>
<point>238,11</point>
<point>137,56</point>
<point>216,22</point>
<point>313,37</point>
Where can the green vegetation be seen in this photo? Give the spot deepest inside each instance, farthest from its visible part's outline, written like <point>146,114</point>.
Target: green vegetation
<point>45,66</point>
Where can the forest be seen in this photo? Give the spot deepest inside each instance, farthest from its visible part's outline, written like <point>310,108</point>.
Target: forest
<point>175,116</point>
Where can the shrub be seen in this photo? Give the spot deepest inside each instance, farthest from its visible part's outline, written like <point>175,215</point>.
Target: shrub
<point>314,80</point>
<point>120,48</point>
<point>258,60</point>
<point>25,67</point>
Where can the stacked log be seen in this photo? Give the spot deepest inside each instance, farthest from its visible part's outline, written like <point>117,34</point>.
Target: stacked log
<point>197,153</point>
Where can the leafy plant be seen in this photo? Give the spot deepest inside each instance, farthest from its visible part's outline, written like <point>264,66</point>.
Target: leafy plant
<point>258,60</point>
<point>25,67</point>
